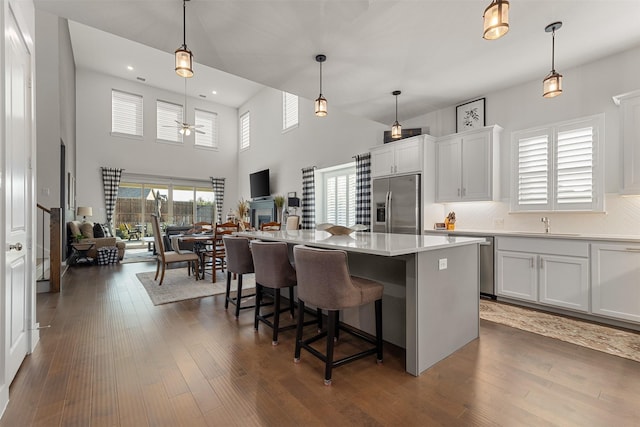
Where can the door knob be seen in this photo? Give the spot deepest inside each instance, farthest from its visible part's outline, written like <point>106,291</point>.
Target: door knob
<point>17,246</point>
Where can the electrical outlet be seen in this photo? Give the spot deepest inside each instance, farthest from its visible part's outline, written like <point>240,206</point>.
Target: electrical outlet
<point>442,264</point>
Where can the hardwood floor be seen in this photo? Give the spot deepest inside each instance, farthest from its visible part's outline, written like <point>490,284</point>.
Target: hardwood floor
<point>112,358</point>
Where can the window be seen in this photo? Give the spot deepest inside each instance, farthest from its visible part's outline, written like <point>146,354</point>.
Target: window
<point>558,168</point>
<point>208,123</point>
<point>289,111</point>
<point>168,120</point>
<point>126,113</point>
<point>245,131</point>
<point>337,195</point>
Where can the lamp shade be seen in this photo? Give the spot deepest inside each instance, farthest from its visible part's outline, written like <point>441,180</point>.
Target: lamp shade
<point>321,106</point>
<point>184,62</point>
<point>496,20</point>
<point>84,211</point>
<point>552,85</point>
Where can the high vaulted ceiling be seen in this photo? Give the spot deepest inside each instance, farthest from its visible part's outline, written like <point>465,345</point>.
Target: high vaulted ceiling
<point>431,50</point>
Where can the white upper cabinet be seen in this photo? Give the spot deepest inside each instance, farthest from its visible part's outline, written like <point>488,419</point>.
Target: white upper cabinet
<point>467,165</point>
<point>630,132</point>
<point>400,157</point>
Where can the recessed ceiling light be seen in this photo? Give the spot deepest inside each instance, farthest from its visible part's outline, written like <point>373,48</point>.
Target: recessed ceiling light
<point>129,67</point>
<point>214,92</point>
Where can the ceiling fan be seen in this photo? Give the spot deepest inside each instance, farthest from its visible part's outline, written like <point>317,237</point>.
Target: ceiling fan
<point>183,127</point>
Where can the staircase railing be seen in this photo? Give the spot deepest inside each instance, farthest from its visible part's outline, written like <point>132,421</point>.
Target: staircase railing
<point>49,245</point>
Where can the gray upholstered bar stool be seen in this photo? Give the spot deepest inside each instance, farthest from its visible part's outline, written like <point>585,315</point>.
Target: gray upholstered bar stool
<point>239,262</point>
<point>273,270</point>
<point>324,281</point>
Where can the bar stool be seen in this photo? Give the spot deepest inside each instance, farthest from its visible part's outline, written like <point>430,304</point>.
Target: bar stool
<point>273,270</point>
<point>324,281</point>
<point>239,262</point>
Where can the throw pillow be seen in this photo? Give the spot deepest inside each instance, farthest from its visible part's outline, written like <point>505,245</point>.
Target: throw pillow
<point>97,230</point>
<point>74,228</point>
<point>107,230</point>
<point>87,229</point>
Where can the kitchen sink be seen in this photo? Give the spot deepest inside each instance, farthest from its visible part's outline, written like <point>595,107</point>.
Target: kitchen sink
<point>542,233</point>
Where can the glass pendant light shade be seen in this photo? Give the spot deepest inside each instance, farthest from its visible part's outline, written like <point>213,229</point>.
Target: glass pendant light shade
<point>552,84</point>
<point>184,57</point>
<point>184,62</point>
<point>321,101</point>
<point>321,106</point>
<point>496,20</point>
<point>396,129</point>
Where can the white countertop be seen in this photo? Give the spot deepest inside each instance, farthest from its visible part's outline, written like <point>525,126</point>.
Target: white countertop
<point>541,234</point>
<point>384,244</point>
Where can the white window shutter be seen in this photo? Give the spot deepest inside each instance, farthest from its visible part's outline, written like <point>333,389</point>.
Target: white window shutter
<point>167,124</point>
<point>245,131</point>
<point>533,171</point>
<point>289,110</point>
<point>207,123</point>
<point>126,113</point>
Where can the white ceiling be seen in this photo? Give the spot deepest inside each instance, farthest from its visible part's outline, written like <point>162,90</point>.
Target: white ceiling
<point>431,50</point>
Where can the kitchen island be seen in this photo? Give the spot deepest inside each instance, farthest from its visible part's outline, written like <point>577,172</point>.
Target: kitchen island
<point>431,289</point>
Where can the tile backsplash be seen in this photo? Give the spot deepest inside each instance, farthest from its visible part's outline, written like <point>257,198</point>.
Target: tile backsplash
<point>622,217</point>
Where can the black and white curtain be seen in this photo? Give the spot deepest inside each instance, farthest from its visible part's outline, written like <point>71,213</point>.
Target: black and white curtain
<point>363,189</point>
<point>218,194</point>
<point>308,198</point>
<point>110,182</point>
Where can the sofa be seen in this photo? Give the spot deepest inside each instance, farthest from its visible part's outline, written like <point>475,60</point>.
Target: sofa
<point>95,233</point>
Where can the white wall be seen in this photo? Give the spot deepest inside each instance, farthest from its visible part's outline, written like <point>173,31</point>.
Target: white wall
<point>96,147</point>
<point>317,141</point>
<point>588,90</point>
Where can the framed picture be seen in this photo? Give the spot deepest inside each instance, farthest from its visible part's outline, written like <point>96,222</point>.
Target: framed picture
<point>470,115</point>
<point>71,191</point>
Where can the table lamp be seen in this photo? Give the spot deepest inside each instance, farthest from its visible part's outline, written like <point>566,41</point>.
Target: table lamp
<point>84,212</point>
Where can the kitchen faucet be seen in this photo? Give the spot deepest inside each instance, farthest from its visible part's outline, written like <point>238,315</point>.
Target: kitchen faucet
<point>547,226</point>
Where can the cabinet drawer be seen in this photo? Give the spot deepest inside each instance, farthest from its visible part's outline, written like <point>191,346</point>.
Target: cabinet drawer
<point>543,246</point>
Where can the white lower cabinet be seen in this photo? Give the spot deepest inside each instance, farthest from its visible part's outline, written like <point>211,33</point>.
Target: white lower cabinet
<point>548,273</point>
<point>615,280</point>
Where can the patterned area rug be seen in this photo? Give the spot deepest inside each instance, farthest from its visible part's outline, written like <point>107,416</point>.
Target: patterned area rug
<point>177,286</point>
<point>597,337</point>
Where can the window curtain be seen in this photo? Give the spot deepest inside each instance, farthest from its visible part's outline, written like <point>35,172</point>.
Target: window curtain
<point>308,198</point>
<point>110,182</point>
<point>218,194</point>
<point>363,189</point>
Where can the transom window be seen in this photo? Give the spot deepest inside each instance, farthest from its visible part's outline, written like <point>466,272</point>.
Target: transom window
<point>126,113</point>
<point>289,111</point>
<point>559,167</point>
<point>169,118</point>
<point>207,123</point>
<point>245,131</point>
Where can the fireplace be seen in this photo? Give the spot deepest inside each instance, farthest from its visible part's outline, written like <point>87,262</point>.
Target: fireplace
<point>261,211</point>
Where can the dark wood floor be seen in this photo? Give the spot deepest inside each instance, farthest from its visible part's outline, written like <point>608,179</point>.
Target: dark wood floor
<point>112,358</point>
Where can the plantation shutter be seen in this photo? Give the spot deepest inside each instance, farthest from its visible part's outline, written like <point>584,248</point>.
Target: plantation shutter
<point>245,131</point>
<point>533,171</point>
<point>168,117</point>
<point>208,123</point>
<point>126,113</point>
<point>289,110</point>
<point>574,166</point>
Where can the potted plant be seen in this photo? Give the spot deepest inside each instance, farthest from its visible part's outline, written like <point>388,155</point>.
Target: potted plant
<point>242,212</point>
<point>279,201</point>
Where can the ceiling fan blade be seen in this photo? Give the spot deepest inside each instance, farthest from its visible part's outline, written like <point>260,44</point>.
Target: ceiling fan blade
<point>199,131</point>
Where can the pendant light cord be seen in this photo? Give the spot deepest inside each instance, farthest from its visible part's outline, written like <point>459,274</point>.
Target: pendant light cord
<point>184,23</point>
<point>320,78</point>
<point>396,108</point>
<point>553,51</point>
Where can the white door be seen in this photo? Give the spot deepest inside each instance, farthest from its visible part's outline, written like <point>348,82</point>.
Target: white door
<point>408,156</point>
<point>564,281</point>
<point>476,167</point>
<point>448,166</point>
<point>382,161</point>
<point>17,211</point>
<point>517,275</point>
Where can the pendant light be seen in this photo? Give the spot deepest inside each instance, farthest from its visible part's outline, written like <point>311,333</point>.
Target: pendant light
<point>496,20</point>
<point>552,84</point>
<point>321,101</point>
<point>396,129</point>
<point>184,57</point>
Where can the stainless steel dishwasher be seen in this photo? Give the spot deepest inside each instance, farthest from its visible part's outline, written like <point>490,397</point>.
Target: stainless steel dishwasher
<point>487,279</point>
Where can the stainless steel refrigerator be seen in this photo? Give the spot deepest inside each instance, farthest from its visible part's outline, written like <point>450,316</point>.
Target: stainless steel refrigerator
<point>396,205</point>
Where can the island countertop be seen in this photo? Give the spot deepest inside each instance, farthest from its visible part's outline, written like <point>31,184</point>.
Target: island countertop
<point>385,244</point>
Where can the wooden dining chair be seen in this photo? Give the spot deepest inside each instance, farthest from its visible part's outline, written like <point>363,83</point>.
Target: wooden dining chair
<point>216,252</point>
<point>270,226</point>
<point>165,258</point>
<point>293,222</point>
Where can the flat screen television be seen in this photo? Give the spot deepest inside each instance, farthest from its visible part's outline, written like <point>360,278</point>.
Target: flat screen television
<point>259,184</point>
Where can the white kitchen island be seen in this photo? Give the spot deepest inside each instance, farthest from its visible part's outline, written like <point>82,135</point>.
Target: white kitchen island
<point>431,289</point>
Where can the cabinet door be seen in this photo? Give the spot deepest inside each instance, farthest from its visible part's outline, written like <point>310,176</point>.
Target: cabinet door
<point>448,176</point>
<point>517,275</point>
<point>564,282</point>
<point>615,281</point>
<point>477,167</point>
<point>382,161</point>
<point>631,143</point>
<point>408,157</point>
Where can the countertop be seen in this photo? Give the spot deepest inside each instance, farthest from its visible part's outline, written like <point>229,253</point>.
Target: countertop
<point>385,244</point>
<point>540,234</point>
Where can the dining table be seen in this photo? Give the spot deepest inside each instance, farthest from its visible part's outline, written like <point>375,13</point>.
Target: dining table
<point>200,242</point>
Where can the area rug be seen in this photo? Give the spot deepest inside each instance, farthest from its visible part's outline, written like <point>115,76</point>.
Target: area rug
<point>597,337</point>
<point>177,286</point>
<point>138,255</point>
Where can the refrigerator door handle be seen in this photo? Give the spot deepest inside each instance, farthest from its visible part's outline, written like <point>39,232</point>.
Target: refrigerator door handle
<point>389,211</point>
